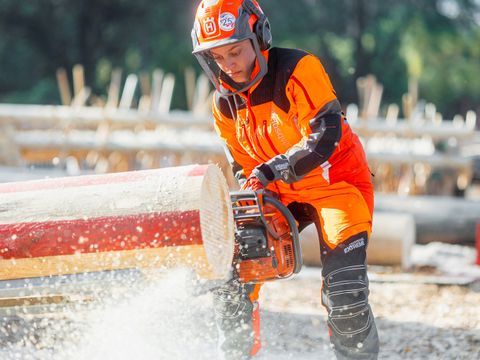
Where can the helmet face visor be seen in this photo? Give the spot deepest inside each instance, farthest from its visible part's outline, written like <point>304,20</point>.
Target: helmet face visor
<point>223,83</point>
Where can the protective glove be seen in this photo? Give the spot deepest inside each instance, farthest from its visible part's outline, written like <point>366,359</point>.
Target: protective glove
<point>252,183</point>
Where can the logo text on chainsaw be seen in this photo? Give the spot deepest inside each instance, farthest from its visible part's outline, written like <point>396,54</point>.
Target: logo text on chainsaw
<point>354,245</point>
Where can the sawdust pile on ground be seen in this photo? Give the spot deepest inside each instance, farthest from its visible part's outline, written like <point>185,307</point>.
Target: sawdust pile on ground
<point>415,321</point>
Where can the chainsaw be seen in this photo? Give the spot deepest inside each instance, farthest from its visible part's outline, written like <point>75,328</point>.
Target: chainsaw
<point>267,245</point>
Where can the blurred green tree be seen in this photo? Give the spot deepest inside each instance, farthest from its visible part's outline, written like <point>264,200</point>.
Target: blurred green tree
<point>433,41</point>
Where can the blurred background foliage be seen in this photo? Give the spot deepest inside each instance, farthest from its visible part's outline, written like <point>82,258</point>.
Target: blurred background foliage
<point>436,42</point>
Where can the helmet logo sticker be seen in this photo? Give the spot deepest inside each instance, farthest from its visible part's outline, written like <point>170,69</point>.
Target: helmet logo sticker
<point>226,21</point>
<point>209,26</point>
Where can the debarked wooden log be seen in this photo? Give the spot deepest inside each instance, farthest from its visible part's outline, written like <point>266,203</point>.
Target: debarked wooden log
<point>444,219</point>
<point>391,241</point>
<point>141,219</point>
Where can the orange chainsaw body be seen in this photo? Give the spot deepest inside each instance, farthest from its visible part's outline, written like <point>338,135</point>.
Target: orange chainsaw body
<point>266,238</point>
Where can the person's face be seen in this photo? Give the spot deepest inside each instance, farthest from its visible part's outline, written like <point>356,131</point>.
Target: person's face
<point>236,60</point>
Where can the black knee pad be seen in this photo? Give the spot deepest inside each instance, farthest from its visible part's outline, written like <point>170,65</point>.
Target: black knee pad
<point>345,295</point>
<point>345,292</point>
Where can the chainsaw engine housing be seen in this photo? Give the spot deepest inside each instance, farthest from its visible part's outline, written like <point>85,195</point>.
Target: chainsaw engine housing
<point>266,238</point>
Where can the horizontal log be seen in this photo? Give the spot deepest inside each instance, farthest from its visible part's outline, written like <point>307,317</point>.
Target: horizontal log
<point>391,241</point>
<point>167,139</point>
<point>43,294</point>
<point>414,279</point>
<point>72,284</point>
<point>48,116</point>
<point>153,218</point>
<point>437,218</point>
<point>15,174</point>
<point>177,140</point>
<point>412,129</point>
<point>435,160</point>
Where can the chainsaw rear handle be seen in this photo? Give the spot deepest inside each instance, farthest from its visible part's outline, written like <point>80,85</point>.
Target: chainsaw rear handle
<point>261,197</point>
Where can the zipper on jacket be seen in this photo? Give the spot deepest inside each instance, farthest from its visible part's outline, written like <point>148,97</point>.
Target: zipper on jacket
<point>245,135</point>
<point>270,142</point>
<point>248,141</point>
<point>248,113</point>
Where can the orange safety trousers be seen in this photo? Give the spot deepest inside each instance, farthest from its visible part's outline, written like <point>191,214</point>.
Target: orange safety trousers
<point>344,209</point>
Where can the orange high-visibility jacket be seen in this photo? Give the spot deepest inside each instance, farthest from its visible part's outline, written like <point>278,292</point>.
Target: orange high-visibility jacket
<point>288,129</point>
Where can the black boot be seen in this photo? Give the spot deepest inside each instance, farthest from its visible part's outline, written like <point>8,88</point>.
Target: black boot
<point>234,316</point>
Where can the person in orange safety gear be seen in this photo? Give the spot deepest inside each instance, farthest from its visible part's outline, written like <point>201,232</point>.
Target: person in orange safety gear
<point>279,117</point>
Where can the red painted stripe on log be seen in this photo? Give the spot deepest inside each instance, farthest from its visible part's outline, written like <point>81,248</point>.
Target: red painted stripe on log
<point>198,170</point>
<point>67,237</point>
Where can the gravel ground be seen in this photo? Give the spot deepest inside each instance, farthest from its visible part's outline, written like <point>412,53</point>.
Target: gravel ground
<point>415,321</point>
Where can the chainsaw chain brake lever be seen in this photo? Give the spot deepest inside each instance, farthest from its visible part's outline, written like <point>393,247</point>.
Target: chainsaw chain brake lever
<point>242,211</point>
<point>243,202</point>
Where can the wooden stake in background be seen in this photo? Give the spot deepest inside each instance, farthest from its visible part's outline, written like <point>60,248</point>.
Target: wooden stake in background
<point>114,89</point>
<point>64,87</point>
